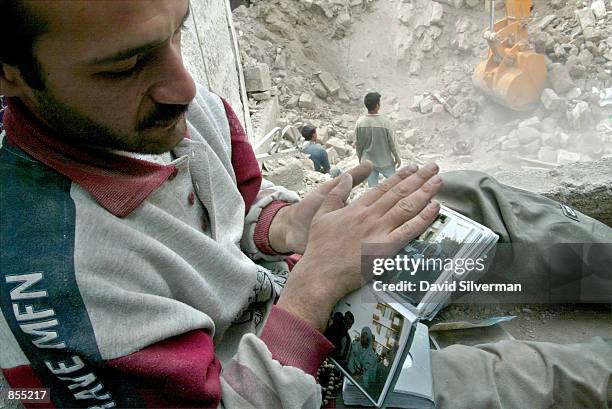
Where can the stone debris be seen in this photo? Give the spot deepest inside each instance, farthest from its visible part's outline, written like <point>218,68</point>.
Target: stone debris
<point>287,172</point>
<point>599,9</point>
<point>329,82</point>
<point>306,101</point>
<point>342,148</point>
<point>257,78</point>
<point>560,79</point>
<point>439,118</point>
<point>551,100</point>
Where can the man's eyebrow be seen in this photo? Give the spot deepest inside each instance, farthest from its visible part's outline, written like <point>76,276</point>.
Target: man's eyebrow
<point>131,52</point>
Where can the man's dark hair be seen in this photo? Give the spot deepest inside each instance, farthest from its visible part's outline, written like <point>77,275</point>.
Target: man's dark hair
<point>350,315</point>
<point>308,132</point>
<point>21,27</point>
<point>371,100</point>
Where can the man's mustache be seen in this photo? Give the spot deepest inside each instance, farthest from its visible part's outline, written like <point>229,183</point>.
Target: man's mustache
<point>163,114</point>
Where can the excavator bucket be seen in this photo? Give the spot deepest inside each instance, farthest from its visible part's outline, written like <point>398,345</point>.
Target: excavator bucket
<point>517,86</point>
<point>513,75</point>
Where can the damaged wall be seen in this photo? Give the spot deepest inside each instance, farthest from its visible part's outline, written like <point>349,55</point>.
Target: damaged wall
<point>211,53</point>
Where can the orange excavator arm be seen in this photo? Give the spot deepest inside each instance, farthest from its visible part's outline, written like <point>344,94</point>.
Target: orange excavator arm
<point>513,74</point>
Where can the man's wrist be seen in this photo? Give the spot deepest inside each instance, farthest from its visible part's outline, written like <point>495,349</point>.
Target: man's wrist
<point>271,229</point>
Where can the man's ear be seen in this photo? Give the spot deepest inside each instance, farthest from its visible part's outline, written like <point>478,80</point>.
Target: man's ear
<point>11,81</point>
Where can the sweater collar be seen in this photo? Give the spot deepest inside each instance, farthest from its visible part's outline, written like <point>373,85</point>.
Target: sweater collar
<point>118,183</point>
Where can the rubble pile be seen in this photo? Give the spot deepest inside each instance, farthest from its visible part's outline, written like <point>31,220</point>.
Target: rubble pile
<point>426,32</point>
<point>279,43</point>
<point>292,54</point>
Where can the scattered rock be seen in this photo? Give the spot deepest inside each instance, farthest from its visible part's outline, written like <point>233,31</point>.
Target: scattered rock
<point>320,91</point>
<point>306,101</point>
<point>586,18</point>
<point>560,79</point>
<point>426,105</point>
<point>329,82</point>
<point>573,93</point>
<point>565,157</point>
<point>257,78</point>
<point>551,100</point>
<point>341,148</point>
<point>262,96</point>
<point>580,116</point>
<point>533,122</point>
<point>547,155</point>
<point>287,172</point>
<point>527,135</point>
<point>436,13</point>
<point>599,9</point>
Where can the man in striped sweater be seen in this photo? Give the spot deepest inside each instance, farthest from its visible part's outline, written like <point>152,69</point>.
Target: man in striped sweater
<point>141,250</point>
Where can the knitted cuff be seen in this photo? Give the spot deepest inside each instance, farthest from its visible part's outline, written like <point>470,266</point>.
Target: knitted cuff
<point>293,342</point>
<point>262,228</point>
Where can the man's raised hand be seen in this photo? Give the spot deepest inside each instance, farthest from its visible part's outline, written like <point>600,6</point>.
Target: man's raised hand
<point>395,212</point>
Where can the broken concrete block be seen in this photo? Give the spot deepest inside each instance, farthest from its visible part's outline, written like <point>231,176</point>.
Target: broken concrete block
<point>580,117</point>
<point>306,101</point>
<point>547,155</point>
<point>545,22</point>
<point>426,105</point>
<point>329,82</point>
<point>551,100</point>
<point>527,135</point>
<point>436,13</point>
<point>533,122</point>
<point>510,144</point>
<point>573,93</point>
<point>287,172</point>
<point>549,125</point>
<point>560,79</point>
<point>592,34</point>
<point>586,18</point>
<point>292,102</point>
<point>427,43</point>
<point>257,78</point>
<point>437,108</point>
<point>585,57</point>
<point>320,91</point>
<point>343,96</point>
<point>411,137</point>
<point>262,96</point>
<point>341,148</point>
<point>565,157</point>
<point>550,140</point>
<point>416,103</point>
<point>599,9</point>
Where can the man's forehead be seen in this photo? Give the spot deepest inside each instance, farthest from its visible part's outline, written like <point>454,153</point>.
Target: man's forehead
<point>117,23</point>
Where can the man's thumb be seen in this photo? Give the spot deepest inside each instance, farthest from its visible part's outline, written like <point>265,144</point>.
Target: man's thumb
<point>336,199</point>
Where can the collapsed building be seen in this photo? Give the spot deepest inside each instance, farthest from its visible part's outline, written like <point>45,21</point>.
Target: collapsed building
<point>312,62</point>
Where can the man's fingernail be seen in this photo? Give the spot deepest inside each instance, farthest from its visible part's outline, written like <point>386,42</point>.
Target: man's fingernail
<point>432,167</point>
<point>435,180</point>
<point>433,205</point>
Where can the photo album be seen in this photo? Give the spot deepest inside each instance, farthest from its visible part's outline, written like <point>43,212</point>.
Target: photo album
<point>376,328</point>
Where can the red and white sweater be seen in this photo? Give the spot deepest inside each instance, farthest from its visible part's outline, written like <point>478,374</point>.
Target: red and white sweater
<point>126,283</point>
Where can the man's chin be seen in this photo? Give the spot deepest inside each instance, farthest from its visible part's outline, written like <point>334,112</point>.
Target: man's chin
<point>158,140</point>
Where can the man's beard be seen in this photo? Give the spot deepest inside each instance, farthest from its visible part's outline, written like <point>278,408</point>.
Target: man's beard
<point>74,126</point>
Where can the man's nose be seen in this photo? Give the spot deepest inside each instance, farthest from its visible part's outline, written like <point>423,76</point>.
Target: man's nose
<point>175,85</point>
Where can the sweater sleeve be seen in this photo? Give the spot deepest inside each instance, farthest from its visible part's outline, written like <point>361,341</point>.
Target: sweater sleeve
<point>256,192</point>
<point>276,369</point>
